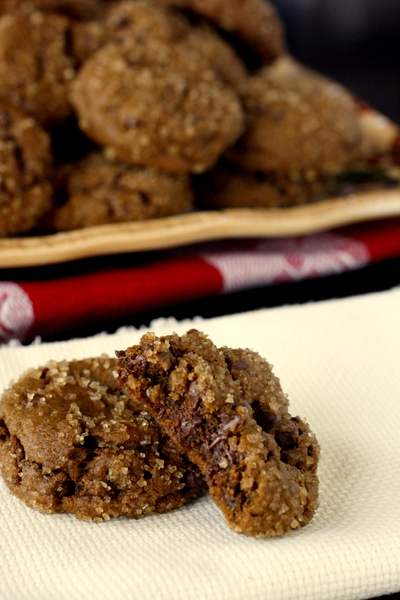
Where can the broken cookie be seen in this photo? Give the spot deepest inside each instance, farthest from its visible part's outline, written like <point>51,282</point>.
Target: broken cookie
<point>226,411</point>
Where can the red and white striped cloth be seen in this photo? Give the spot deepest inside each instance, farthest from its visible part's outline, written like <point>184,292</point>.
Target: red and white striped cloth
<point>41,305</point>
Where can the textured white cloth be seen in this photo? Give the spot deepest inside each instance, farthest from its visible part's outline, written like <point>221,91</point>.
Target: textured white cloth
<point>339,363</point>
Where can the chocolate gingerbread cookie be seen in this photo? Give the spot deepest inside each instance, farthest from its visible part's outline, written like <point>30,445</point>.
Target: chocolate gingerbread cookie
<point>156,104</point>
<point>127,20</point>
<point>77,9</point>
<point>35,65</point>
<point>226,410</point>
<point>72,441</point>
<point>25,162</point>
<point>100,190</point>
<point>254,22</point>
<point>299,124</point>
<point>142,19</point>
<point>229,186</point>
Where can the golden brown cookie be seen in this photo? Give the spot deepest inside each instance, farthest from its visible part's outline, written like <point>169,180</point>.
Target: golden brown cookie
<point>142,19</point>
<point>35,67</point>
<point>254,22</point>
<point>25,162</point>
<point>227,186</point>
<point>299,124</point>
<point>156,104</point>
<point>72,441</point>
<point>102,191</point>
<point>226,410</point>
<point>77,9</point>
<point>128,20</point>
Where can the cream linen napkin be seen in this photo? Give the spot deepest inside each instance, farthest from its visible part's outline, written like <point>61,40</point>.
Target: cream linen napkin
<point>339,363</point>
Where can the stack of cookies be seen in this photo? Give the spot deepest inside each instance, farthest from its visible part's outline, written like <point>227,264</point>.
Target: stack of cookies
<point>171,417</point>
<point>145,108</point>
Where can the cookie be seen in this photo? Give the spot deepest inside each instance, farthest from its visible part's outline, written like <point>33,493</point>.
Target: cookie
<point>35,65</point>
<point>299,124</point>
<point>76,9</point>
<point>71,441</point>
<point>255,23</point>
<point>25,163</point>
<point>102,191</point>
<point>127,21</point>
<point>228,186</point>
<point>226,410</point>
<point>156,104</point>
<point>142,19</point>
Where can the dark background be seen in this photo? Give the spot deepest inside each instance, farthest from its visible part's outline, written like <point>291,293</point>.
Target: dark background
<point>356,42</point>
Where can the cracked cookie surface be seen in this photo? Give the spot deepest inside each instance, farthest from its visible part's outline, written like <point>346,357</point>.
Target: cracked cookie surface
<point>72,441</point>
<point>226,410</point>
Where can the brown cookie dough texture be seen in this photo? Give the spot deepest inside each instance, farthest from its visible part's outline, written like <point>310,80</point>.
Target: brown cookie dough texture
<point>35,68</point>
<point>220,55</point>
<point>254,22</point>
<point>102,191</point>
<point>71,441</point>
<point>299,124</point>
<point>134,20</point>
<point>228,186</point>
<point>156,104</point>
<point>77,9</point>
<point>141,19</point>
<point>25,161</point>
<point>226,410</point>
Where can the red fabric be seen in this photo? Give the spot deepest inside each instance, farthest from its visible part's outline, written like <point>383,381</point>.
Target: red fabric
<point>382,238</point>
<point>73,295</point>
<point>69,302</point>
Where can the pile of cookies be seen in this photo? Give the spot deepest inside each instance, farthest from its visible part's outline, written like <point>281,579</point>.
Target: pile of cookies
<point>113,111</point>
<point>154,428</point>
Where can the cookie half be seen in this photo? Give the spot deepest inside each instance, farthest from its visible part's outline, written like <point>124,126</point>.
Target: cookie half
<point>226,410</point>
<point>71,441</point>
